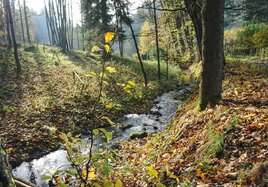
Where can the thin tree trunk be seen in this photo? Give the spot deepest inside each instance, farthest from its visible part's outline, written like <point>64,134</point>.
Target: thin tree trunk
<point>15,46</point>
<point>26,21</point>
<point>157,42</point>
<point>21,22</point>
<point>7,25</point>
<point>77,37</point>
<point>212,52</point>
<point>136,46</point>
<point>82,27</point>
<point>47,23</point>
<point>194,10</point>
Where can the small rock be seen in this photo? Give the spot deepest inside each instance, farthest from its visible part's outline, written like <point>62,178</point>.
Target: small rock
<point>135,135</point>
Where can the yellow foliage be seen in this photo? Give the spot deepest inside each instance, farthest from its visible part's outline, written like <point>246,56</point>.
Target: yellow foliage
<point>146,38</point>
<point>109,106</point>
<point>95,49</point>
<point>109,36</point>
<point>111,69</point>
<point>107,48</point>
<point>90,174</point>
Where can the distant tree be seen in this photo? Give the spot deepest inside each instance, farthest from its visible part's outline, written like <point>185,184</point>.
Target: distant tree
<point>146,41</point>
<point>26,21</point>
<point>212,53</point>
<point>255,11</point>
<point>59,24</point>
<point>2,21</point>
<point>97,19</point>
<point>123,5</point>
<point>21,22</point>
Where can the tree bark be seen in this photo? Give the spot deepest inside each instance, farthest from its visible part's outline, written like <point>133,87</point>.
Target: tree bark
<point>6,179</point>
<point>15,46</point>
<point>194,10</point>
<point>7,25</point>
<point>212,53</point>
<point>157,41</point>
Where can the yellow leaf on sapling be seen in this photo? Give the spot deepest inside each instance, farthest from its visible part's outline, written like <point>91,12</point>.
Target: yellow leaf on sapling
<point>109,36</point>
<point>107,48</point>
<point>90,174</point>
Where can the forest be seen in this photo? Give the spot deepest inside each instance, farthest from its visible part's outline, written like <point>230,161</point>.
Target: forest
<point>124,93</point>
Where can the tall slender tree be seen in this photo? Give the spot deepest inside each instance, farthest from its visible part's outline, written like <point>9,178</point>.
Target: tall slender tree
<point>157,41</point>
<point>125,16</point>
<point>26,21</point>
<point>15,46</point>
<point>21,22</point>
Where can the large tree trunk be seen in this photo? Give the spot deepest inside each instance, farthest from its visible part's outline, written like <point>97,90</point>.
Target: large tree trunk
<point>6,179</point>
<point>212,53</point>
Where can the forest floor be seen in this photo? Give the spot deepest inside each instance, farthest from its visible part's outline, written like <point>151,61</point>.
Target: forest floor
<point>224,146</point>
<point>46,99</point>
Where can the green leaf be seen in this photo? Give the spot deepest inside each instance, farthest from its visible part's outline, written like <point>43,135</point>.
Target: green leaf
<point>91,74</point>
<point>160,185</point>
<point>118,183</point>
<point>61,184</point>
<point>108,184</point>
<point>108,120</point>
<point>131,83</point>
<point>96,132</point>
<point>152,172</point>
<point>45,178</point>
<point>96,185</point>
<point>107,135</point>
<point>64,137</point>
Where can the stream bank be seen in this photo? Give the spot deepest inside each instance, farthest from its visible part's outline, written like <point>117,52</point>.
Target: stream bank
<point>130,127</point>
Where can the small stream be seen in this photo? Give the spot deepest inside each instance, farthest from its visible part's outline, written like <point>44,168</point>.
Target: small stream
<point>131,126</point>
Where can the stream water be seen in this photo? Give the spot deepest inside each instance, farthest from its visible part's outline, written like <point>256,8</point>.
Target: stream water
<point>156,120</point>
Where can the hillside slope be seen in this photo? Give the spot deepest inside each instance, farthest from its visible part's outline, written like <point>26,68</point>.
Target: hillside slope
<point>47,98</point>
<point>224,146</point>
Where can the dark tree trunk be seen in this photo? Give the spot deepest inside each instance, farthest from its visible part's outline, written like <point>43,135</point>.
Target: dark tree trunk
<point>7,25</point>
<point>6,179</point>
<point>194,10</point>
<point>15,46</point>
<point>157,42</point>
<point>127,20</point>
<point>212,53</point>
